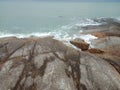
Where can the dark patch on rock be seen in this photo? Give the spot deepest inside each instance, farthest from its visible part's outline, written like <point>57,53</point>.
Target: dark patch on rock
<point>83,87</point>
<point>73,61</point>
<point>43,67</point>
<point>32,87</point>
<point>114,64</point>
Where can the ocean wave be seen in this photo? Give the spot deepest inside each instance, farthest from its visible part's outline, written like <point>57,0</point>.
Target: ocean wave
<point>65,32</point>
<point>86,22</point>
<point>56,35</point>
<point>79,23</point>
<point>2,35</point>
<point>76,26</point>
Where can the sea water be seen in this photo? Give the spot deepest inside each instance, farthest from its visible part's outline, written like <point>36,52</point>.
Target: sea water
<point>59,19</point>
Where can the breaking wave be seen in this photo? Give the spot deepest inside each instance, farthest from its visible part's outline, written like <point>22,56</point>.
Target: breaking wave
<point>65,32</point>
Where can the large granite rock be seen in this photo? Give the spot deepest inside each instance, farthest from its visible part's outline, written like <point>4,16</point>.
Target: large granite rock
<point>48,64</point>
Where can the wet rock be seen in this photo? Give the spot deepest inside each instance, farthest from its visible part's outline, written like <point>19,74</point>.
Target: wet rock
<point>80,44</point>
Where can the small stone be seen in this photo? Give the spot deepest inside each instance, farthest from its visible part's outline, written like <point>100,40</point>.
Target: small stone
<point>80,44</point>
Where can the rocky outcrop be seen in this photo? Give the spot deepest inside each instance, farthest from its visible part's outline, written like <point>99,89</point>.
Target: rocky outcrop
<point>108,33</point>
<point>48,64</point>
<point>107,27</point>
<point>108,44</point>
<point>104,34</point>
<point>80,44</point>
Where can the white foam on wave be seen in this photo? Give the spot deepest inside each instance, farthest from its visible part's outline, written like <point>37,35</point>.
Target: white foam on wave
<point>2,35</point>
<point>63,33</point>
<point>87,38</point>
<point>57,35</point>
<point>77,24</point>
<point>118,18</point>
<point>87,22</point>
<point>65,37</point>
<point>61,36</point>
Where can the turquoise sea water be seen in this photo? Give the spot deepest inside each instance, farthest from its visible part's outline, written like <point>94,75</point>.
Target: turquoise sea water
<point>37,18</point>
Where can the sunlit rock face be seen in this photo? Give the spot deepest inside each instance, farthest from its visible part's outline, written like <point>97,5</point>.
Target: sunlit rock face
<point>48,64</point>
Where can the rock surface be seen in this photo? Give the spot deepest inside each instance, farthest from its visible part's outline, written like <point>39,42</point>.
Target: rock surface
<point>108,26</point>
<point>80,44</point>
<point>48,64</point>
<point>108,44</point>
<point>95,50</point>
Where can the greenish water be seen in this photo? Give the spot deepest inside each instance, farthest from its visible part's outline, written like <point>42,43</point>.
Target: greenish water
<point>37,18</point>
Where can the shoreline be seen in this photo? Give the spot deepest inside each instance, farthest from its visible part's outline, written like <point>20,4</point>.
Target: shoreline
<point>47,63</point>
